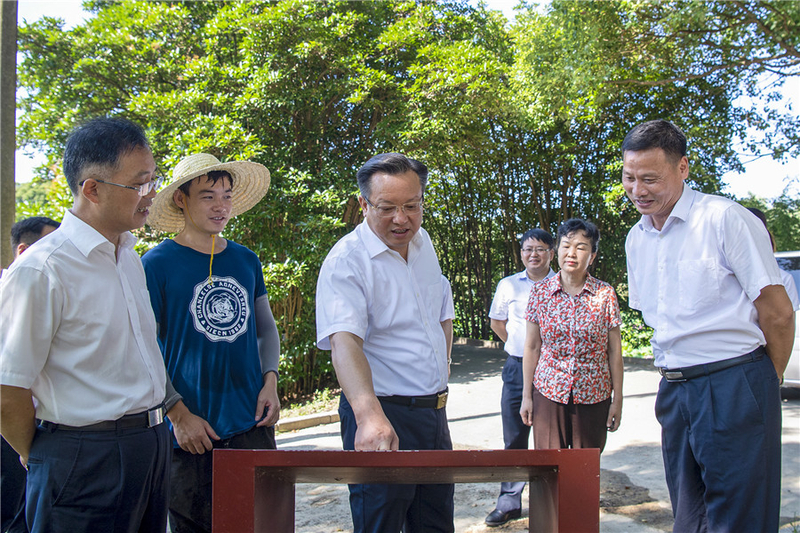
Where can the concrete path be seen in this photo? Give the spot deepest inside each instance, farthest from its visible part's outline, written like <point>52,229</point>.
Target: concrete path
<point>474,414</point>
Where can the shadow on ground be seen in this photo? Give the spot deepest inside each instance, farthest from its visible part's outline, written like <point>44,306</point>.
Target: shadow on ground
<point>471,363</point>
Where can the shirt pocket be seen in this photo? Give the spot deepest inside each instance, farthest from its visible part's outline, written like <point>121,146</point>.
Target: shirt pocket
<point>698,284</point>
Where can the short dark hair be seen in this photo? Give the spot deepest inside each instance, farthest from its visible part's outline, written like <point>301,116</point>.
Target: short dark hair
<point>538,234</point>
<point>392,164</point>
<point>578,224</point>
<point>100,141</point>
<point>29,230</point>
<point>656,134</point>
<point>214,176</point>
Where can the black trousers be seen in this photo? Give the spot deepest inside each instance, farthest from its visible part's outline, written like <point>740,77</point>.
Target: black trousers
<point>109,481</point>
<point>721,443</point>
<point>190,494</point>
<point>379,508</point>
<point>515,433</point>
<point>12,488</point>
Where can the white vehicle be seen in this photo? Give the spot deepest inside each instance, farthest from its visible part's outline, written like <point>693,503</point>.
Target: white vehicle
<point>790,262</point>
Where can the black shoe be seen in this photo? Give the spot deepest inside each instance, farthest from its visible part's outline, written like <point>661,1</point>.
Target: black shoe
<point>498,517</point>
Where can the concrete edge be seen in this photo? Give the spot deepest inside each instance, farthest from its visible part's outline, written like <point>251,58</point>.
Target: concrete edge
<point>306,421</point>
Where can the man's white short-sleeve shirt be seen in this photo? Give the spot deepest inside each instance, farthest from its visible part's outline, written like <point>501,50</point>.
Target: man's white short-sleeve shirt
<point>396,307</point>
<point>77,328</point>
<point>695,280</point>
<point>791,289</point>
<point>510,303</point>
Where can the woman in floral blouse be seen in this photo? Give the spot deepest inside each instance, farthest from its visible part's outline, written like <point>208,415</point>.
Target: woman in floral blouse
<point>572,363</point>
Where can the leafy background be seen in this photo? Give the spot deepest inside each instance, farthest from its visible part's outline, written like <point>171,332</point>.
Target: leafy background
<point>520,123</point>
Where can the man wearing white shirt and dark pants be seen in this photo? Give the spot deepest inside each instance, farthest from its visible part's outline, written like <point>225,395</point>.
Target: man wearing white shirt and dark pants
<point>507,316</point>
<point>386,312</point>
<point>78,337</point>
<point>701,271</point>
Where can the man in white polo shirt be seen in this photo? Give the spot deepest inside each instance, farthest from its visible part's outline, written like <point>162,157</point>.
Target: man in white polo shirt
<point>701,270</point>
<point>78,338</point>
<point>507,316</point>
<point>386,311</point>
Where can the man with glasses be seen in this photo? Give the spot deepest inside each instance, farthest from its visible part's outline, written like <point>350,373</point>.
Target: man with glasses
<point>507,316</point>
<point>78,349</point>
<point>386,312</point>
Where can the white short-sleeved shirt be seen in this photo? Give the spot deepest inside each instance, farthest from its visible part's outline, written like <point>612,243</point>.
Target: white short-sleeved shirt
<point>791,289</point>
<point>396,307</point>
<point>695,280</point>
<point>77,329</point>
<point>510,303</point>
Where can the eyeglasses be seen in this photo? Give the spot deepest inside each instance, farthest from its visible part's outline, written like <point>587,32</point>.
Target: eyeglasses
<point>143,190</point>
<point>388,211</point>
<point>538,250</point>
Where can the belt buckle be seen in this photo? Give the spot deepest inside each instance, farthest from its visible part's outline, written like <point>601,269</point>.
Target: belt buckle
<point>441,400</point>
<point>155,417</point>
<point>673,376</point>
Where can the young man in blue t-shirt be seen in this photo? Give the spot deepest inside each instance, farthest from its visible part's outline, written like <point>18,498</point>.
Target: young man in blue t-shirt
<point>215,327</point>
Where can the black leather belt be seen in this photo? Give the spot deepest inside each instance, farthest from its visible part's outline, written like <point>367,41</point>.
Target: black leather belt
<point>146,419</point>
<point>689,372</point>
<point>431,401</point>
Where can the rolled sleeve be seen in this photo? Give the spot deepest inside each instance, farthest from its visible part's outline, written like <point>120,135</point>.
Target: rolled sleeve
<point>341,302</point>
<point>747,249</point>
<point>448,311</point>
<point>30,306</point>
<point>500,302</point>
<point>613,318</point>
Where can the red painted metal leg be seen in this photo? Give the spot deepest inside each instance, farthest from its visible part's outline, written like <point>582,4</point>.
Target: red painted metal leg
<point>579,492</point>
<point>233,474</point>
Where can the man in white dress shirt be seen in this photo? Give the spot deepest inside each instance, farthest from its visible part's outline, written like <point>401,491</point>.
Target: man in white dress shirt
<point>507,315</point>
<point>12,475</point>
<point>386,312</point>
<point>701,270</point>
<point>78,349</point>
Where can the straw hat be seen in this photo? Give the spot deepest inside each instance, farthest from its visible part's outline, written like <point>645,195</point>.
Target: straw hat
<point>250,184</point>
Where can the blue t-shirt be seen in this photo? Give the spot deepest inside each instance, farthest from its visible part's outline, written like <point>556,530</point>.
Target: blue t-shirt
<point>207,331</point>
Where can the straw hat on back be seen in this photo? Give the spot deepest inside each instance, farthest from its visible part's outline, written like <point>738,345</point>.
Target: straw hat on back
<point>250,184</point>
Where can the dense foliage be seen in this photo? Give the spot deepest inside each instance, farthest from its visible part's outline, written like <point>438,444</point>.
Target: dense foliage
<point>520,123</point>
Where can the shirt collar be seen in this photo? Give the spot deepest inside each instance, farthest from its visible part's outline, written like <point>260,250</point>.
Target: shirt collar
<point>86,238</point>
<point>524,276</point>
<point>375,245</point>
<point>680,210</point>
<point>589,286</point>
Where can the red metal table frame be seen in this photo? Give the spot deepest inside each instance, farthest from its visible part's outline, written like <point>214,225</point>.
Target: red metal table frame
<point>253,490</point>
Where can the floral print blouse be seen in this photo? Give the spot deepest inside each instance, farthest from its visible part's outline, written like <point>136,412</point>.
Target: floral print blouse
<point>574,330</point>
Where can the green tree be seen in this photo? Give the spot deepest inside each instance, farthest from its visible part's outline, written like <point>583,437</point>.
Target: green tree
<point>520,124</point>
<point>783,219</point>
<point>33,191</point>
<point>740,43</point>
<point>310,89</point>
<point>49,199</point>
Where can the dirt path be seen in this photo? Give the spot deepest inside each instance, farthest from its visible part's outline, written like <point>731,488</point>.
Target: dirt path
<point>324,508</point>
